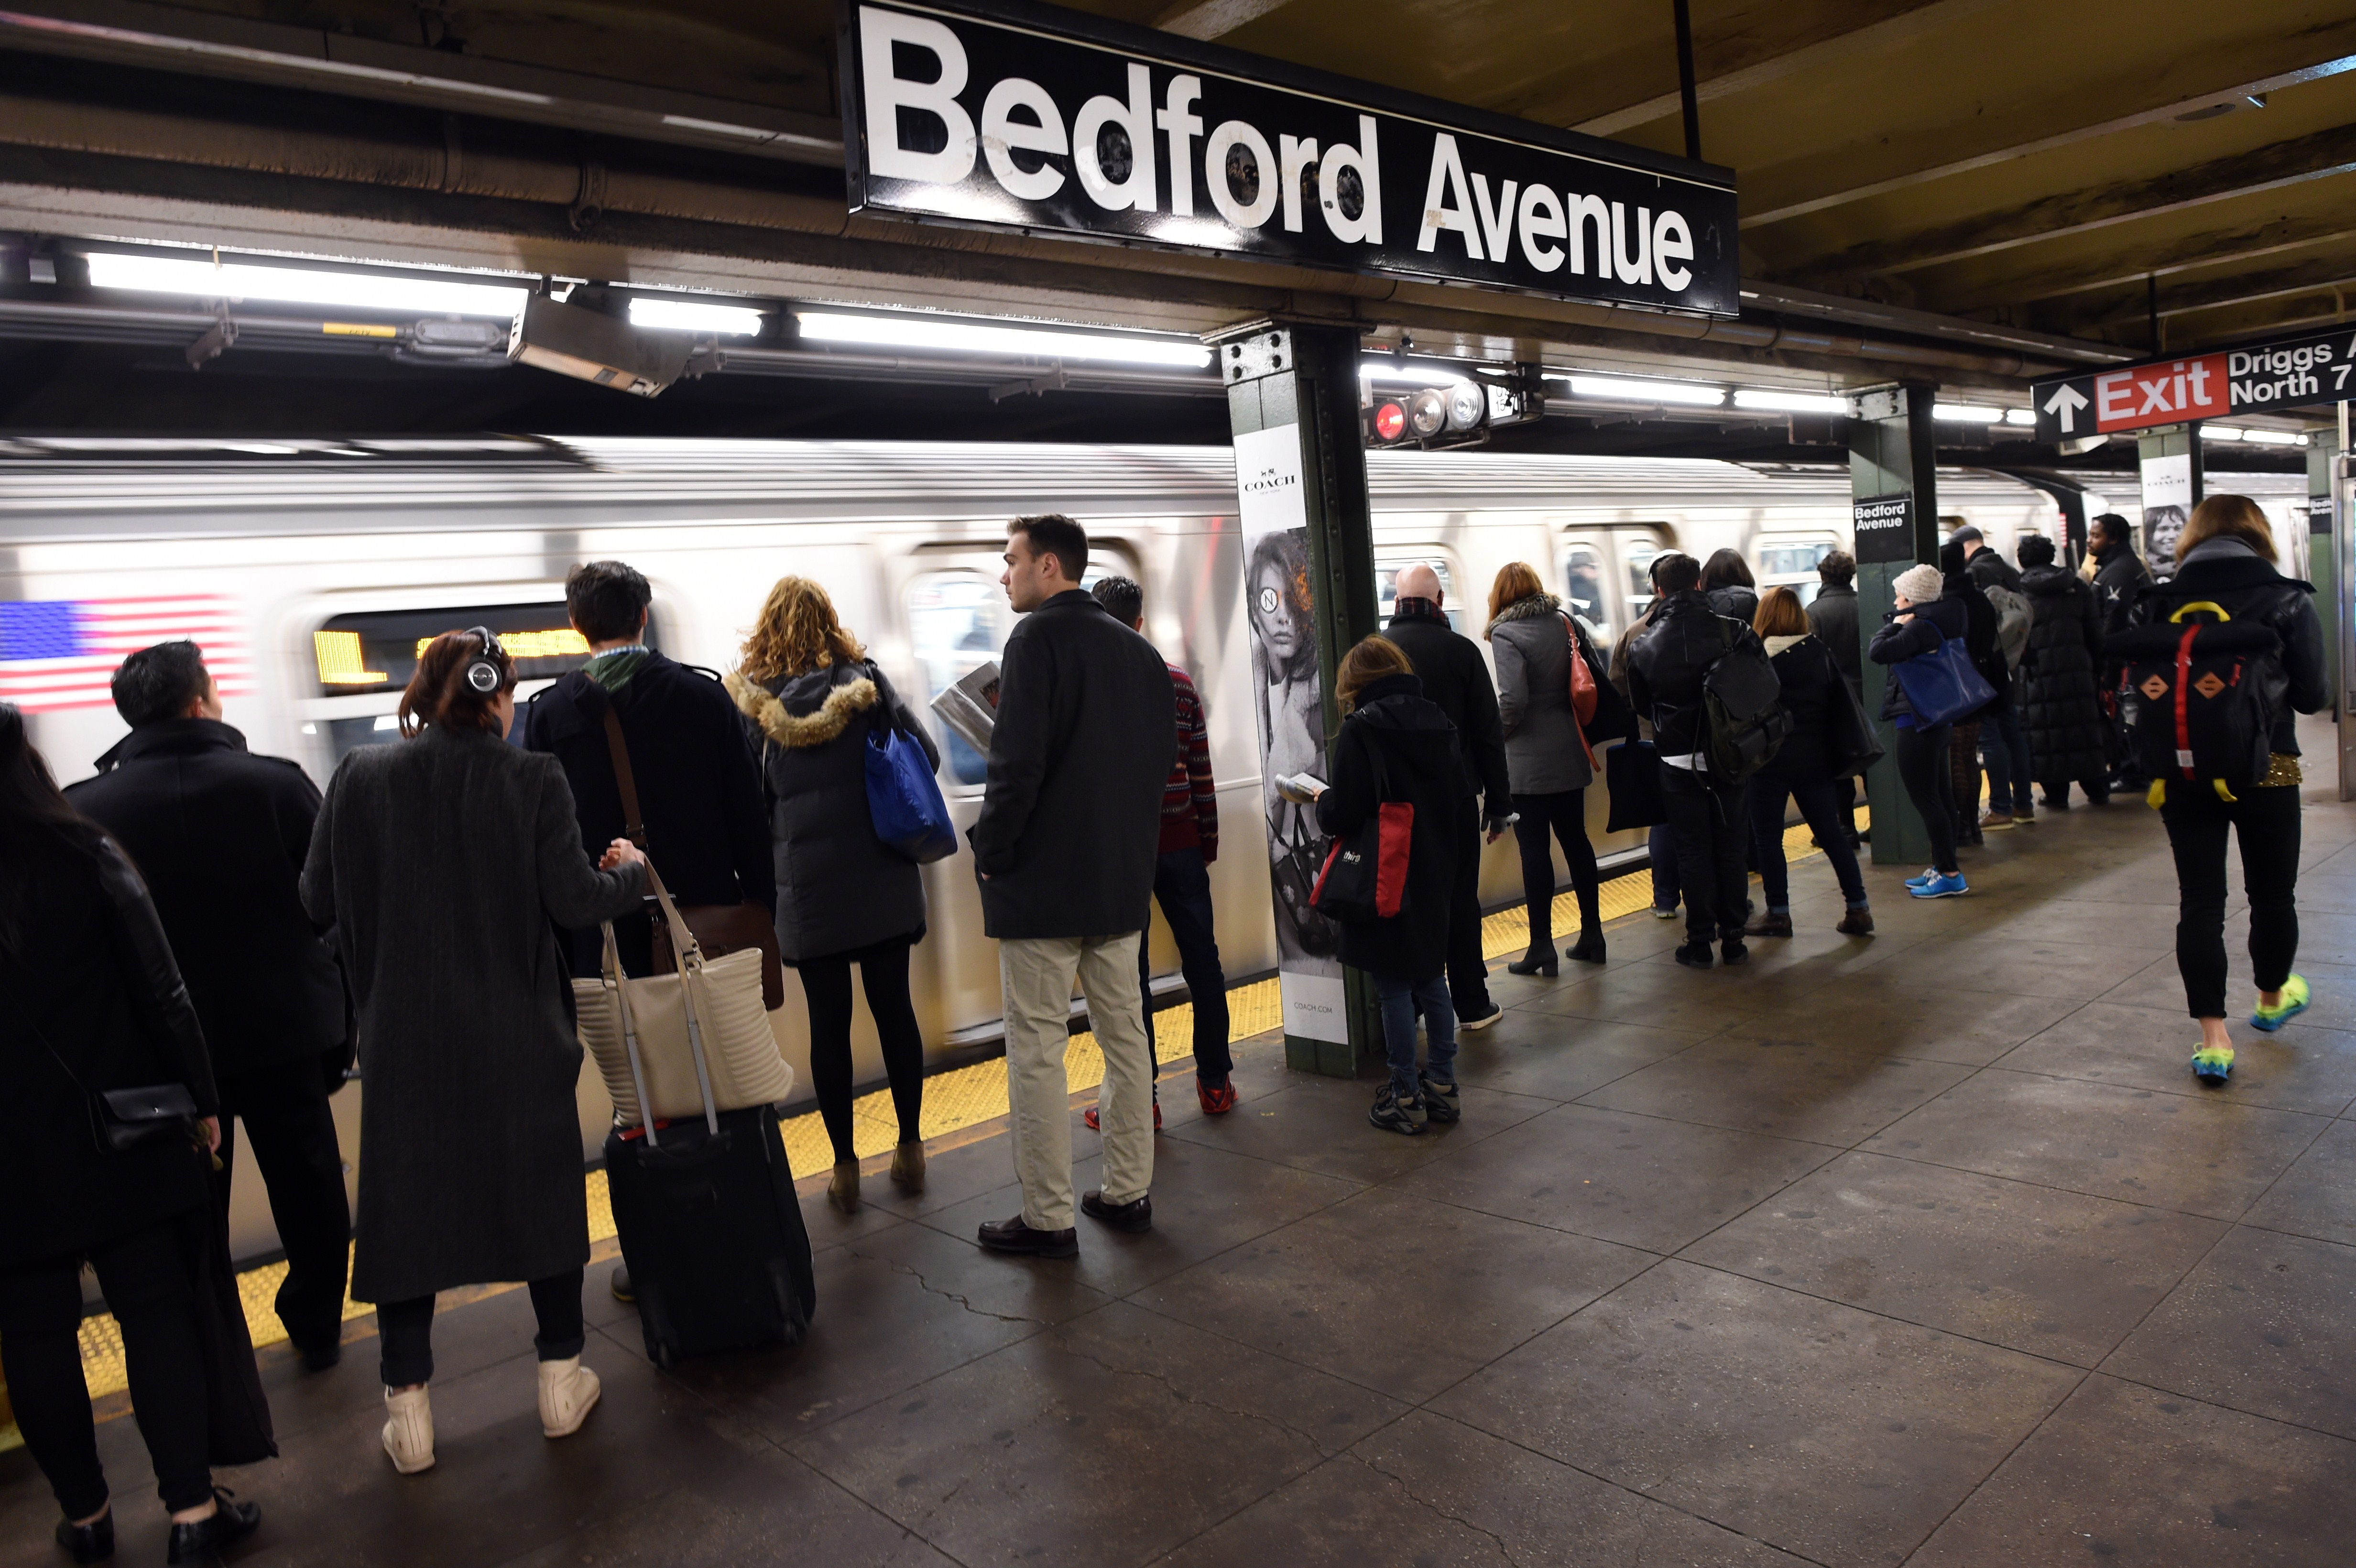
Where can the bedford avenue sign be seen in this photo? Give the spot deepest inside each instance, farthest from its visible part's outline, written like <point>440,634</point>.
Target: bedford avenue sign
<point>1025,117</point>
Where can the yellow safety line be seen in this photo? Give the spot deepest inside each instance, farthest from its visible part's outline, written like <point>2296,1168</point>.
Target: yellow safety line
<point>954,1101</point>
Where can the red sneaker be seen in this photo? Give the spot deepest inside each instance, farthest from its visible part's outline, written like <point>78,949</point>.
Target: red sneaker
<point>1089,1116</point>
<point>1216,1102</point>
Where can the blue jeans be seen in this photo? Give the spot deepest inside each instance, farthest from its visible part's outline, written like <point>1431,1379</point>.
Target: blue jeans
<point>1400,998</point>
<point>2006,750</point>
<point>1182,884</point>
<point>1819,804</point>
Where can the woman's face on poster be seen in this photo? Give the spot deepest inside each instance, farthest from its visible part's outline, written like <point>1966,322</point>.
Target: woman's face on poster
<point>1273,616</point>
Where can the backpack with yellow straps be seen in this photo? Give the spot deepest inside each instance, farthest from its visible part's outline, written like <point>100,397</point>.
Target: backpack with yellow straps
<point>2211,688</point>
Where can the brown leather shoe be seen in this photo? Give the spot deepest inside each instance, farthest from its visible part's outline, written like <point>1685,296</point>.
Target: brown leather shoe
<point>1136,1216</point>
<point>1856,923</point>
<point>1768,925</point>
<point>1015,1236</point>
<point>908,1166</point>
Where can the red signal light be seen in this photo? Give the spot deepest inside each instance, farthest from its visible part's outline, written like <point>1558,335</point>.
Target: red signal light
<point>1390,421</point>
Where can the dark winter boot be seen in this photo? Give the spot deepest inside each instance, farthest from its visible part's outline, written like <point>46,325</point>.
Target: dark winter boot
<point>1539,959</point>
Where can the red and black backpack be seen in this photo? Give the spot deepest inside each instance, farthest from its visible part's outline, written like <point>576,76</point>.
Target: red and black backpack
<point>2212,687</point>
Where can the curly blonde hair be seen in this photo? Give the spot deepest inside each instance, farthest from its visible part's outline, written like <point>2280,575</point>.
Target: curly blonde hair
<point>798,633</point>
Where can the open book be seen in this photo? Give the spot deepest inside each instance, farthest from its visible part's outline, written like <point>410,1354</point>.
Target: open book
<point>970,707</point>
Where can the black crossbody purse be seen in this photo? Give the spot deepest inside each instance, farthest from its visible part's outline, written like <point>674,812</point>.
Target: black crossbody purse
<point>122,1120</point>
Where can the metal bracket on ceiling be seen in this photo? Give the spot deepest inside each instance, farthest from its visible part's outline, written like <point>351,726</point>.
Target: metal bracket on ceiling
<point>589,202</point>
<point>1054,382</point>
<point>216,340</point>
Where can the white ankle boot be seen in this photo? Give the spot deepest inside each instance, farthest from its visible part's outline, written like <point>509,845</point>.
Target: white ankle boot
<point>409,1431</point>
<point>568,1391</point>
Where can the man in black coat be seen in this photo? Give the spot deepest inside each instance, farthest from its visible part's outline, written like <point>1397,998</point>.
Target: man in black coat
<point>1066,847</point>
<point>698,785</point>
<point>1833,618</point>
<point>1456,680</point>
<point>1709,824</point>
<point>2120,575</point>
<point>221,835</point>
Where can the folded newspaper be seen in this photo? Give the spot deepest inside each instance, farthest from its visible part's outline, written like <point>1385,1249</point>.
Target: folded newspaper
<point>969,708</point>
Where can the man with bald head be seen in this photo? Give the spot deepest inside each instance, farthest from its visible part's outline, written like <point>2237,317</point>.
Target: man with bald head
<point>1456,676</point>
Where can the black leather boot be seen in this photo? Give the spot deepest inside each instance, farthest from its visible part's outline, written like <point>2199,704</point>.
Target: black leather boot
<point>91,1543</point>
<point>1539,959</point>
<point>208,1537</point>
<point>1589,948</point>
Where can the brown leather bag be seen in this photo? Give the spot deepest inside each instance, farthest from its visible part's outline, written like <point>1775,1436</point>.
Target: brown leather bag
<point>719,929</point>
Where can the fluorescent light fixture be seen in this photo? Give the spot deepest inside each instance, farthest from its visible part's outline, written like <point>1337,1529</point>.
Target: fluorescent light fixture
<point>1411,375</point>
<point>1966,413</point>
<point>300,285</point>
<point>2020,416</point>
<point>2273,437</point>
<point>938,334</point>
<point>687,315</point>
<point>2222,433</point>
<point>1789,402</point>
<point>1627,391</point>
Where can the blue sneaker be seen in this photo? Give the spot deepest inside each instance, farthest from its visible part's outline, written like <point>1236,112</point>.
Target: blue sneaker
<point>1925,879</point>
<point>1946,886</point>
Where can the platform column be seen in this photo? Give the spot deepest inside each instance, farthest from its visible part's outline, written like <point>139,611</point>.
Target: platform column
<point>2170,461</point>
<point>1309,589</point>
<point>1893,479</point>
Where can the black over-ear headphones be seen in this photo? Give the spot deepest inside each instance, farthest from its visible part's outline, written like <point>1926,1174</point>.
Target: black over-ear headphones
<point>483,672</point>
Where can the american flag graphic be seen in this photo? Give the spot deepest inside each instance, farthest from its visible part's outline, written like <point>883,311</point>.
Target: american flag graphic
<point>57,654</point>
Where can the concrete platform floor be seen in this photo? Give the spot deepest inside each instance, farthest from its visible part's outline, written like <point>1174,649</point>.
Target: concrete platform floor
<point>1924,1249</point>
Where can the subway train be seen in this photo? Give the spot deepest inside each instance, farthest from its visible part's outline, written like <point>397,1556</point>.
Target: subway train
<point>313,570</point>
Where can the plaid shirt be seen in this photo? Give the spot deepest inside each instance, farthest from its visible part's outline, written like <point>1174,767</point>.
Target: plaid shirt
<point>1190,802</point>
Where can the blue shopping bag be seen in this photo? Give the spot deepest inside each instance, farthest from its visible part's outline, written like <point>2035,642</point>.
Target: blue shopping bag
<point>905,799</point>
<point>1942,687</point>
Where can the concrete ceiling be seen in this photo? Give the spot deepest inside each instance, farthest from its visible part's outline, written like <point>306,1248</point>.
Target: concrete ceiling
<point>1956,188</point>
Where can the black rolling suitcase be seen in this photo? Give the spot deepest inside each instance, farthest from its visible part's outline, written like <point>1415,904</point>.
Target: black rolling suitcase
<point>712,1236</point>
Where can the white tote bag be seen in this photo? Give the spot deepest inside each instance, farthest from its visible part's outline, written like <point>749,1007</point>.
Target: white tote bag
<point>692,1044</point>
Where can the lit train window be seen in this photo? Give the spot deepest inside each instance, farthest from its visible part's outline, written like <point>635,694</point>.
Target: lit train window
<point>1639,554</point>
<point>1386,570</point>
<point>1793,563</point>
<point>376,651</point>
<point>1583,572</point>
<point>957,620</point>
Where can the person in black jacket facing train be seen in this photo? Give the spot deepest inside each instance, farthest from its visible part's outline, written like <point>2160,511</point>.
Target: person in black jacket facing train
<point>1832,616</point>
<point>1395,745</point>
<point>1921,622</point>
<point>1456,680</point>
<point>220,834</point>
<point>1980,628</point>
<point>1815,696</point>
<point>2057,687</point>
<point>1065,847</point>
<point>94,1002</point>
<point>1726,584</point>
<point>1709,824</point>
<point>2225,557</point>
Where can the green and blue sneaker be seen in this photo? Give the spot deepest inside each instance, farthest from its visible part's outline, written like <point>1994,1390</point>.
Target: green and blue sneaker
<point>2293,1002</point>
<point>2212,1064</point>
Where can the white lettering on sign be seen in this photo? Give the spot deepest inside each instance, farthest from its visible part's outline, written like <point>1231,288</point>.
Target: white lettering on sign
<point>1449,208</point>
<point>1002,136</point>
<point>1365,160</point>
<point>888,92</point>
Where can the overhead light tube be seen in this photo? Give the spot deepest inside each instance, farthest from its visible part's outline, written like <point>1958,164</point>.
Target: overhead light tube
<point>1966,413</point>
<point>202,279</point>
<point>691,316</point>
<point>937,334</point>
<point>1789,402</point>
<point>1620,390</point>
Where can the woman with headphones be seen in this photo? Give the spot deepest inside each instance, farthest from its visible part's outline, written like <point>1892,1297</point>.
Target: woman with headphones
<point>442,860</point>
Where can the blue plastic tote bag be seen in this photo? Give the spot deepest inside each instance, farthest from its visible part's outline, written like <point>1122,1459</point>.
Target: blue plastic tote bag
<point>905,799</point>
<point>1942,687</point>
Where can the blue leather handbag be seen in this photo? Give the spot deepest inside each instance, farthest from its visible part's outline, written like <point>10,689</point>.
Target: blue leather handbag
<point>905,799</point>
<point>1942,687</point>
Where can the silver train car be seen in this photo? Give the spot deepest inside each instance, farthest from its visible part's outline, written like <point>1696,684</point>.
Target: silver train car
<point>312,569</point>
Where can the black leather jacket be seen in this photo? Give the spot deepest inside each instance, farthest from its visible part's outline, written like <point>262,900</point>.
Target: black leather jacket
<point>1667,664</point>
<point>2249,589</point>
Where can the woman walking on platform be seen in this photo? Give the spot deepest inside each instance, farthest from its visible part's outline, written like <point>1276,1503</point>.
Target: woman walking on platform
<point>2226,558</point>
<point>1817,696</point>
<point>1396,747</point>
<point>1919,622</point>
<point>1547,760</point>
<point>811,697</point>
<point>94,1002</point>
<point>441,860</point>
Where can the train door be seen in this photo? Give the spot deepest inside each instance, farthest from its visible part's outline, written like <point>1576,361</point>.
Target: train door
<point>1607,579</point>
<point>1389,563</point>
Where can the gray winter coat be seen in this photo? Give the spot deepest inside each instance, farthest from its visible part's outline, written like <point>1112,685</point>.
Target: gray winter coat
<point>441,861</point>
<point>839,887</point>
<point>1531,642</point>
<point>1833,618</point>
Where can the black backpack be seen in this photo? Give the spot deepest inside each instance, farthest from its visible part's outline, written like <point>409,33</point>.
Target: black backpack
<point>2211,688</point>
<point>1743,702</point>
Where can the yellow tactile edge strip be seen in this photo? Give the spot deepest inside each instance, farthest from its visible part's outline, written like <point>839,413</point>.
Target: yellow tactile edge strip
<point>961,1098</point>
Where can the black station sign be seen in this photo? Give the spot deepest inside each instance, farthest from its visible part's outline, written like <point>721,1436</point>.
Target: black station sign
<point>1884,527</point>
<point>2256,378</point>
<point>1015,116</point>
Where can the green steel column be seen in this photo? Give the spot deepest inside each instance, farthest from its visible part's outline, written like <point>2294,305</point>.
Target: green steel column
<point>1893,453</point>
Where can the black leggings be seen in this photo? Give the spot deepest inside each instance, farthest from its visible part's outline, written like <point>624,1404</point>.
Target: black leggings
<point>1563,814</point>
<point>883,976</point>
<point>1930,785</point>
<point>407,1329</point>
<point>2266,822</point>
<point>150,1290</point>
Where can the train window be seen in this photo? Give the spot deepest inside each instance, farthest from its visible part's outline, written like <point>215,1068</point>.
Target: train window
<point>1793,565</point>
<point>1639,554</point>
<point>1386,570</point>
<point>374,652</point>
<point>957,621</point>
<point>1584,574</point>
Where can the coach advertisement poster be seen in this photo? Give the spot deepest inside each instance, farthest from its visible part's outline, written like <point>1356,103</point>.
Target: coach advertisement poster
<point>1289,698</point>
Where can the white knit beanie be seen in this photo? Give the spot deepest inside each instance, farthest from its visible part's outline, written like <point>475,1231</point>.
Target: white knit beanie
<point>1918,584</point>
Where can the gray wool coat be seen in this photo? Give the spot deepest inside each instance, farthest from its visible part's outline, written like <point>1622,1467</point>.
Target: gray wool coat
<point>1533,653</point>
<point>441,861</point>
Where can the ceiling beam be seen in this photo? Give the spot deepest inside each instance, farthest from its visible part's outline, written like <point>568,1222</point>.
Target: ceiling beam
<point>1213,18</point>
<point>2316,276</point>
<point>1856,44</point>
<point>1917,159</point>
<point>2302,158</point>
<point>2198,251</point>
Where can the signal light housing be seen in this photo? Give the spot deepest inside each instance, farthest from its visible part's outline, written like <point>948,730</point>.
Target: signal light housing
<point>1460,413</point>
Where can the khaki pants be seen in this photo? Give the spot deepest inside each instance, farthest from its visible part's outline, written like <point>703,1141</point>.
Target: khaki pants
<point>1037,973</point>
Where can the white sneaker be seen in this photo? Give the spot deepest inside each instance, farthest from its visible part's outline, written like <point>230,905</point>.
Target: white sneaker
<point>568,1391</point>
<point>409,1431</point>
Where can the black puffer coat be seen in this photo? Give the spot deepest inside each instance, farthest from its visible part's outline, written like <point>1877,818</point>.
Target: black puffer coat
<point>838,886</point>
<point>1415,746</point>
<point>2059,705</point>
<point>2227,572</point>
<point>1811,689</point>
